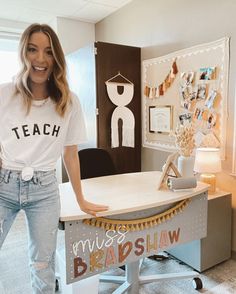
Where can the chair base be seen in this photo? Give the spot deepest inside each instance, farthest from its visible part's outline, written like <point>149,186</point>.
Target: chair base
<point>132,280</point>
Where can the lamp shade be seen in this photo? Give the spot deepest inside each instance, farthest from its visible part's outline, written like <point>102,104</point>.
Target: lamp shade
<point>207,160</point>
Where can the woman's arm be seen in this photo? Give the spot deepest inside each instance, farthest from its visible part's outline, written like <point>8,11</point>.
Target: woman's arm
<point>72,165</point>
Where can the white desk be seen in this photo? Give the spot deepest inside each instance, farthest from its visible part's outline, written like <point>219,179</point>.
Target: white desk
<point>172,218</point>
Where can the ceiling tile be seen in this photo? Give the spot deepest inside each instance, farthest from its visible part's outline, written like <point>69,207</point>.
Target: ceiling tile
<point>34,15</point>
<point>44,11</point>
<point>91,12</point>
<point>113,3</point>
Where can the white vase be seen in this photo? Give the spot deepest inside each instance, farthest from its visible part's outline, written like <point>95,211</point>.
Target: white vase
<point>185,166</point>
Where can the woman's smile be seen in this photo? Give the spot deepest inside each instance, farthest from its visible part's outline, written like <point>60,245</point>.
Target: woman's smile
<point>39,54</point>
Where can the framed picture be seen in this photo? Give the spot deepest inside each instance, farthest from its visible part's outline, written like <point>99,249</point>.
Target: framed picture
<point>160,119</point>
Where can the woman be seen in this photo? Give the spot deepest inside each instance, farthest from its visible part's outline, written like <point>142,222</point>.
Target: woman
<point>40,120</point>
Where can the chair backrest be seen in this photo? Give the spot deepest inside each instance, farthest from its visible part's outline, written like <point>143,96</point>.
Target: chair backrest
<point>95,162</point>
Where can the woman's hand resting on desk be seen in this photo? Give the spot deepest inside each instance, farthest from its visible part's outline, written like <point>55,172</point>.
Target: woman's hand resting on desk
<point>91,208</point>
<point>71,161</point>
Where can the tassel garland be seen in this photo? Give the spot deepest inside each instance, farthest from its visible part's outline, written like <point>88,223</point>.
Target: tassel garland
<point>137,224</point>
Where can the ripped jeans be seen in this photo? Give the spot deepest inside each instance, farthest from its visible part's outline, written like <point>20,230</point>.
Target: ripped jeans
<point>39,198</point>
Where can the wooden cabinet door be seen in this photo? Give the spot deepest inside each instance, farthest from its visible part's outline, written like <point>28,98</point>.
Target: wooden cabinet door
<point>110,60</point>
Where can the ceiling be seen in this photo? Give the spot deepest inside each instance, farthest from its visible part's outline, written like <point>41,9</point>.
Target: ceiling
<point>45,11</point>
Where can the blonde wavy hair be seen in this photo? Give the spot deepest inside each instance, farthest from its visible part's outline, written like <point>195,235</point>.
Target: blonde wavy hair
<point>58,88</point>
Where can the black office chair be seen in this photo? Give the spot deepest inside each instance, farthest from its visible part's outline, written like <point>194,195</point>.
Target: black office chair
<point>95,162</point>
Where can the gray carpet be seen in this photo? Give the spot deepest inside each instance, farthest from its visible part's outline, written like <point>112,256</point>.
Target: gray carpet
<point>14,271</point>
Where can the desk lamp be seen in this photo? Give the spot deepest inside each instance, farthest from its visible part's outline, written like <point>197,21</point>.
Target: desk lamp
<point>208,163</point>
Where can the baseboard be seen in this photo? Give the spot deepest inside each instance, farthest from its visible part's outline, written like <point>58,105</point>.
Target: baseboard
<point>233,255</point>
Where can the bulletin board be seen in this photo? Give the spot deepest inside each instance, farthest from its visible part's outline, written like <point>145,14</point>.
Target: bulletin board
<point>189,85</point>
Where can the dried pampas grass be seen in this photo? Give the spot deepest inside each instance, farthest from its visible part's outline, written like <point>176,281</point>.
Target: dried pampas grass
<point>184,139</point>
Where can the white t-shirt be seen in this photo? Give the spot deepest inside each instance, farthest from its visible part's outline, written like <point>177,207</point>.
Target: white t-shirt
<point>36,139</point>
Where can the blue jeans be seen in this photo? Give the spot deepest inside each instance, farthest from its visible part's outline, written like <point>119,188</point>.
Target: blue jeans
<point>39,198</point>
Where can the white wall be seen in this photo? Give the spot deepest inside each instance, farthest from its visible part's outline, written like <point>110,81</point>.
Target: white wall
<point>161,27</point>
<point>74,34</point>
<point>12,26</point>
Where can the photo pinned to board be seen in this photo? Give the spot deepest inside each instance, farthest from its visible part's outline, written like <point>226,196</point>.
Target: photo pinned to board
<point>188,96</point>
<point>188,91</point>
<point>209,103</point>
<point>193,93</point>
<point>211,120</point>
<point>184,93</point>
<point>198,113</point>
<point>207,73</point>
<point>185,118</point>
<point>187,78</point>
<point>201,92</point>
<point>186,104</point>
<point>200,118</point>
<point>201,115</point>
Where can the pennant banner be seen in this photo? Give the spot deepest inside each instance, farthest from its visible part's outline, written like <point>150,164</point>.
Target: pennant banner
<point>156,92</point>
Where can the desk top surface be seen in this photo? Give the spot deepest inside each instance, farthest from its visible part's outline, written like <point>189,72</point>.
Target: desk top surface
<point>122,193</point>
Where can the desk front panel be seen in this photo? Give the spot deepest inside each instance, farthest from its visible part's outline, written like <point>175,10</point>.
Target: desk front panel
<point>96,247</point>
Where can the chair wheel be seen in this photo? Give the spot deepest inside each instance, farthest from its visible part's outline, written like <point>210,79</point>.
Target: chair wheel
<point>197,283</point>
<point>57,285</point>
